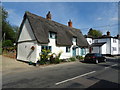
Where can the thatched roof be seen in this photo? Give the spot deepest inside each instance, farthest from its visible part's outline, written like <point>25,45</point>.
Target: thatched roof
<point>42,26</point>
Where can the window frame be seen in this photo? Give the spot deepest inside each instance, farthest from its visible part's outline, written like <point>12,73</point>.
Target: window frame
<point>46,48</point>
<point>74,39</point>
<point>68,49</point>
<point>52,35</point>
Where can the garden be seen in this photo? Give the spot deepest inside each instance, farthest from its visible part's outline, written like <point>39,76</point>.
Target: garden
<point>46,58</point>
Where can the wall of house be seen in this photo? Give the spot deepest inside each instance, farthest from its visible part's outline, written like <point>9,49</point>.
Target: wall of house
<point>58,49</point>
<point>119,46</point>
<point>26,33</point>
<point>107,40</point>
<point>114,45</point>
<point>25,53</point>
<point>103,49</point>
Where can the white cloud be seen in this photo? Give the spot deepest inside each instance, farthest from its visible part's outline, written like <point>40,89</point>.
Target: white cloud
<point>99,18</point>
<point>114,19</point>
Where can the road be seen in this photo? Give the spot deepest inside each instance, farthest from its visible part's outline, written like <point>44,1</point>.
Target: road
<point>69,75</point>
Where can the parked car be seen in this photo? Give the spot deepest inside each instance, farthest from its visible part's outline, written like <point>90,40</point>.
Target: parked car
<point>94,57</point>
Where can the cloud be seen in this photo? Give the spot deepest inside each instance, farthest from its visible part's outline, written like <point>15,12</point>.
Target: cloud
<point>99,18</point>
<point>114,19</point>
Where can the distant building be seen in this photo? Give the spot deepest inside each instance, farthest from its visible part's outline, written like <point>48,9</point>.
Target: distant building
<point>105,44</point>
<point>37,33</point>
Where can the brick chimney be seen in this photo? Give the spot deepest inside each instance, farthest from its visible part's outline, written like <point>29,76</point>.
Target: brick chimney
<point>118,36</point>
<point>108,33</point>
<point>48,16</point>
<point>70,23</point>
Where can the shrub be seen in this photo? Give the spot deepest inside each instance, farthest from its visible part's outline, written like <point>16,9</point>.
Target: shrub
<point>7,43</point>
<point>55,59</point>
<point>45,55</point>
<point>72,59</point>
<point>79,57</point>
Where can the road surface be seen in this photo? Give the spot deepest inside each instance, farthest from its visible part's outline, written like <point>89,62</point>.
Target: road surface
<point>68,75</point>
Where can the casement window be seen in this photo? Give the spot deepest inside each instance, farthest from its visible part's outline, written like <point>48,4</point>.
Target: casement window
<point>114,48</point>
<point>67,49</point>
<point>52,35</point>
<point>46,48</point>
<point>74,39</point>
<point>83,52</point>
<point>114,40</point>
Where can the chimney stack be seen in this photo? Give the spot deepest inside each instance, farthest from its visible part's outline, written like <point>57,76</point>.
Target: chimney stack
<point>108,33</point>
<point>70,23</point>
<point>48,16</point>
<point>118,36</point>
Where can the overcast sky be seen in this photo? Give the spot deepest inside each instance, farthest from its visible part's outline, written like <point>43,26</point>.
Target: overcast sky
<point>101,16</point>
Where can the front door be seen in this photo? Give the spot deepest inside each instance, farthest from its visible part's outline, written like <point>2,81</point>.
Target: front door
<point>74,51</point>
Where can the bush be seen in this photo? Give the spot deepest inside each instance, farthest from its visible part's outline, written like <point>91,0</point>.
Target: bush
<point>72,59</point>
<point>80,57</point>
<point>55,59</point>
<point>7,43</point>
<point>45,55</point>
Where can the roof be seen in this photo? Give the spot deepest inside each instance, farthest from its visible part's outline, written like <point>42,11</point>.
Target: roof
<point>98,44</point>
<point>42,26</point>
<point>105,36</point>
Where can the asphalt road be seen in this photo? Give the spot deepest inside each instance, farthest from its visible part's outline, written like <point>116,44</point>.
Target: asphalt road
<point>70,75</point>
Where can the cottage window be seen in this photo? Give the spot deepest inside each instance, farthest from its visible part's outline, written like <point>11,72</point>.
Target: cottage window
<point>67,49</point>
<point>74,39</point>
<point>52,35</point>
<point>114,40</point>
<point>46,48</point>
<point>114,48</point>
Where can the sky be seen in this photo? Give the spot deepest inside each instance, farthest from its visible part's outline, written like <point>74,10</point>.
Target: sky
<point>101,16</point>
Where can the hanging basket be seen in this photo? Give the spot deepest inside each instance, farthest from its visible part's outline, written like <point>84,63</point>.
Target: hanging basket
<point>33,47</point>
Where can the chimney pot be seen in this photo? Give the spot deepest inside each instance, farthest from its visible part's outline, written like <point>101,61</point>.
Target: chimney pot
<point>70,23</point>
<point>48,16</point>
<point>108,33</point>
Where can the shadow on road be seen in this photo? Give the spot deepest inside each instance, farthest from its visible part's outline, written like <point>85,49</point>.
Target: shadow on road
<point>104,84</point>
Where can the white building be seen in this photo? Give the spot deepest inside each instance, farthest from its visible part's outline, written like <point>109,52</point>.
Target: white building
<point>37,33</point>
<point>106,44</point>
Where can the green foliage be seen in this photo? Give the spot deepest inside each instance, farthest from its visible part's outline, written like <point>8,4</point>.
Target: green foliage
<point>55,60</point>
<point>44,56</point>
<point>94,33</point>
<point>8,32</point>
<point>7,43</point>
<point>72,59</point>
<point>79,57</point>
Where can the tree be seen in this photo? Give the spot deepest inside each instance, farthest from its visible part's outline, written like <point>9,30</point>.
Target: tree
<point>94,33</point>
<point>9,32</point>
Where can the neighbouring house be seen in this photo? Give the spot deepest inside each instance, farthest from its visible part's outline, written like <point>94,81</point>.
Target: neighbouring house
<point>37,33</point>
<point>106,44</point>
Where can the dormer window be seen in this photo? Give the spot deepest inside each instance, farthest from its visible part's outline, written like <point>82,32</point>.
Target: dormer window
<point>52,35</point>
<point>74,39</point>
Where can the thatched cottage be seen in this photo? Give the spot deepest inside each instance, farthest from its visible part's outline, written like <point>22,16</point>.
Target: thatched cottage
<point>37,33</point>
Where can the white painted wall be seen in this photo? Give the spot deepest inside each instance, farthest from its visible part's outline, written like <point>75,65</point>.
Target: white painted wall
<point>26,33</point>
<point>114,44</point>
<point>25,53</point>
<point>103,49</point>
